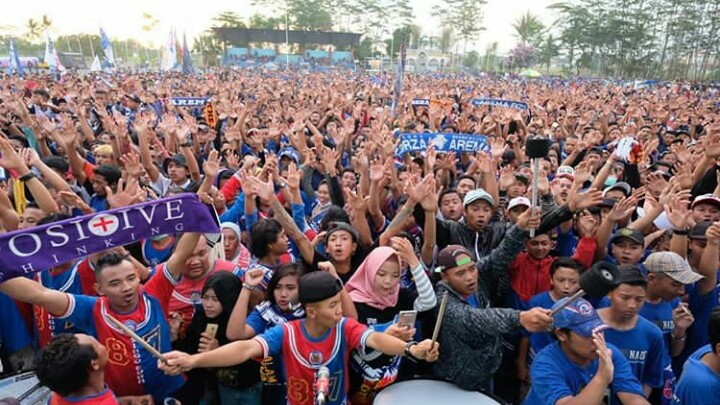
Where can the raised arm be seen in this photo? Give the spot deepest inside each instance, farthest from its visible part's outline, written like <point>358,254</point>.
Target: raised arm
<point>11,160</point>
<point>237,328</point>
<point>28,291</point>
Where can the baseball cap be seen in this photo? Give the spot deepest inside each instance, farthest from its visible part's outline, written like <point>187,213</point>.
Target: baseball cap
<point>565,171</point>
<point>698,231</point>
<point>632,234</point>
<point>522,178</point>
<point>580,317</point>
<point>290,153</point>
<point>478,194</point>
<point>449,257</point>
<point>133,97</point>
<point>622,186</point>
<point>673,265</point>
<point>705,199</point>
<point>178,158</point>
<point>519,201</point>
<point>318,286</point>
<point>342,226</point>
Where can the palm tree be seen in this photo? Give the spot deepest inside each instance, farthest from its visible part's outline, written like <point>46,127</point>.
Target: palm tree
<point>528,28</point>
<point>33,30</point>
<point>447,38</point>
<point>46,22</point>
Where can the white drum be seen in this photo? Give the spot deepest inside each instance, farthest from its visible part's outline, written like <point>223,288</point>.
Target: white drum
<point>430,392</point>
<point>25,388</point>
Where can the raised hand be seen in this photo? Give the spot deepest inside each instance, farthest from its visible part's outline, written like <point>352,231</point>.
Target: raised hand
<point>9,158</point>
<point>254,277</point>
<point>31,157</point>
<point>587,225</point>
<point>405,250</point>
<point>211,167</point>
<point>125,195</point>
<point>131,163</point>
<point>677,213</point>
<point>582,201</point>
<point>606,368</point>
<point>294,177</point>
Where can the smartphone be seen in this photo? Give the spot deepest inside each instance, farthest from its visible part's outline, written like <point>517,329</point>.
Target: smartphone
<point>211,329</point>
<point>407,318</point>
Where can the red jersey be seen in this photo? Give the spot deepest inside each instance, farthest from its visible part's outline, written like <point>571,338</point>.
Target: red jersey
<point>303,355</point>
<point>106,397</point>
<point>188,292</point>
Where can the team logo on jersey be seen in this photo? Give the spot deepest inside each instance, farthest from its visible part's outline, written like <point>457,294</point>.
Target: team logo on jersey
<point>103,225</point>
<point>130,324</point>
<point>316,357</point>
<point>196,298</point>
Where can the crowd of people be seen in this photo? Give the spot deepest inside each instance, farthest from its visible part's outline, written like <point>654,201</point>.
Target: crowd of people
<point>348,223</point>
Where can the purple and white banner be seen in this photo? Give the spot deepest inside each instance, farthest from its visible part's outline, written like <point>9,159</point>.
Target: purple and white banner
<point>40,248</point>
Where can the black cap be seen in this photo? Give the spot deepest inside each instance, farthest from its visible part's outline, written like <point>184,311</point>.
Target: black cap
<point>342,226</point>
<point>627,233</point>
<point>698,231</point>
<point>178,158</point>
<point>318,286</point>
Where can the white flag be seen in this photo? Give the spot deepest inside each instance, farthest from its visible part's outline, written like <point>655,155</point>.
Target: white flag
<point>96,67</point>
<point>51,56</point>
<point>169,56</point>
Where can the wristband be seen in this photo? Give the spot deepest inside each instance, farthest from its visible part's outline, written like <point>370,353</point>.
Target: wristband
<point>680,339</point>
<point>248,286</point>
<point>407,353</point>
<point>185,145</point>
<point>683,232</point>
<point>27,177</point>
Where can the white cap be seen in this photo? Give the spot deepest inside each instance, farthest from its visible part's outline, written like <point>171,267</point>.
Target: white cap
<point>518,201</point>
<point>565,171</point>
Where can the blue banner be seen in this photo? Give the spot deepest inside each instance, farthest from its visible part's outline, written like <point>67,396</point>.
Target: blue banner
<point>189,101</point>
<point>444,142</point>
<point>496,102</point>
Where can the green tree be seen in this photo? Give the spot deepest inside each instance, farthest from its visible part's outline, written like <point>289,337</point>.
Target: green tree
<point>465,16</point>
<point>447,39</point>
<point>34,29</point>
<point>228,19</point>
<point>365,49</point>
<point>529,28</point>
<point>208,47</point>
<point>471,60</point>
<point>549,49</point>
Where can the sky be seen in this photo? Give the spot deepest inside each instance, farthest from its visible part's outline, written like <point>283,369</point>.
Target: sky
<point>123,19</point>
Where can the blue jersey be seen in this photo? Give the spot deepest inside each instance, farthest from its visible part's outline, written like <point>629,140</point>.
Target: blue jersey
<point>644,348</point>
<point>131,369</point>
<point>699,384</point>
<point>14,333</point>
<point>539,340</point>
<point>554,376</point>
<point>700,307</point>
<point>661,314</point>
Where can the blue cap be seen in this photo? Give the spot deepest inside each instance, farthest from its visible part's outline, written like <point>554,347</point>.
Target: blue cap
<point>580,317</point>
<point>291,153</point>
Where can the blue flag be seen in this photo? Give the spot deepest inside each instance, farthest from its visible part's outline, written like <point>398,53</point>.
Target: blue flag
<point>496,102</point>
<point>15,65</point>
<point>187,63</point>
<point>107,47</point>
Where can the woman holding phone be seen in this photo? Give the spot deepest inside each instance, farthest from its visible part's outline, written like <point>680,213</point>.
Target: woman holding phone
<point>385,306</point>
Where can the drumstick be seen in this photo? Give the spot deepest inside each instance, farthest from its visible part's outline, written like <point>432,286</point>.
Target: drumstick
<point>138,339</point>
<point>441,312</point>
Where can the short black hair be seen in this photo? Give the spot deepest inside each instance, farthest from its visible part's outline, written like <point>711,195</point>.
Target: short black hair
<point>107,260</point>
<point>263,234</point>
<point>111,173</point>
<point>56,217</point>
<point>333,214</point>
<point>568,262</point>
<point>446,192</point>
<point>348,170</point>
<point>714,329</point>
<point>56,162</point>
<point>466,176</point>
<point>64,364</point>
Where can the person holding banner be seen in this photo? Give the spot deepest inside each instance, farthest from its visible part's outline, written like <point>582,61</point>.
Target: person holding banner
<point>131,369</point>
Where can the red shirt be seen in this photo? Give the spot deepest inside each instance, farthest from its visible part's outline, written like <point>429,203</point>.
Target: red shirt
<point>106,397</point>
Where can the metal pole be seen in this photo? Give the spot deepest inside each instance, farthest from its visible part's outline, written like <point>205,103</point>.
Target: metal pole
<point>92,47</point>
<point>287,39</point>
<point>536,176</point>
